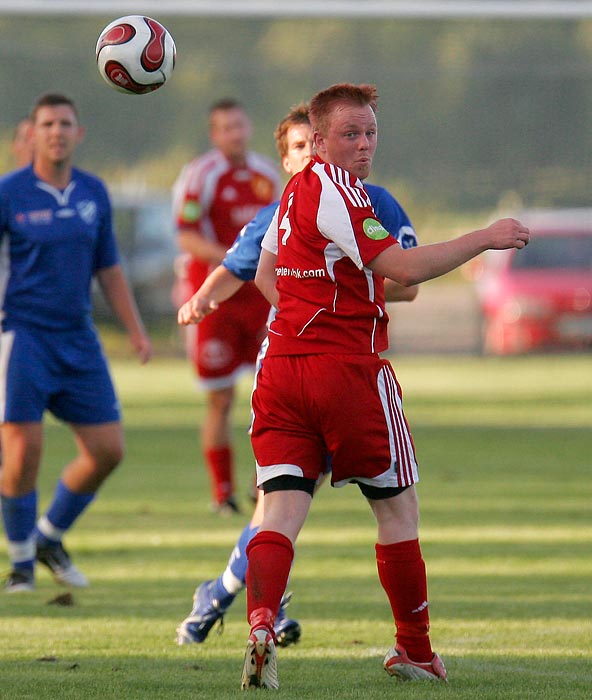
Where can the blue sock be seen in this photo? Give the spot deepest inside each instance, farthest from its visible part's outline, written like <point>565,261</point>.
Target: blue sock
<point>63,511</point>
<point>18,514</point>
<point>236,570</point>
<point>238,559</point>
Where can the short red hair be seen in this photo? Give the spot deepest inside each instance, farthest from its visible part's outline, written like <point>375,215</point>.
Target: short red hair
<point>324,102</point>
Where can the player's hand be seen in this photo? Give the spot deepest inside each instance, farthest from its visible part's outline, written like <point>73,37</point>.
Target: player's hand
<point>507,233</point>
<point>195,310</point>
<point>142,346</point>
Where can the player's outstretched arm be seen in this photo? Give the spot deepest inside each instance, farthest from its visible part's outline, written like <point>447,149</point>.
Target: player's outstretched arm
<point>218,286</point>
<point>266,278</point>
<point>393,291</point>
<point>416,265</point>
<point>117,292</point>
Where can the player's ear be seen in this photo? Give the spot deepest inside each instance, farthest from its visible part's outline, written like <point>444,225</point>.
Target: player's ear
<point>286,165</point>
<point>318,142</point>
<point>81,134</point>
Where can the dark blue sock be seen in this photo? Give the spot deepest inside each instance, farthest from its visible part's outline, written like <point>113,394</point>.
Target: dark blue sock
<point>18,515</point>
<point>63,511</point>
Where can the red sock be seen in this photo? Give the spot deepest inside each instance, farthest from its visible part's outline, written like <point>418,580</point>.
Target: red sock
<point>270,556</point>
<point>402,573</point>
<point>219,463</point>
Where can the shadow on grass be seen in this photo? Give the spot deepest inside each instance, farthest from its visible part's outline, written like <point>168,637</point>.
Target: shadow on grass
<point>479,597</point>
<point>303,676</point>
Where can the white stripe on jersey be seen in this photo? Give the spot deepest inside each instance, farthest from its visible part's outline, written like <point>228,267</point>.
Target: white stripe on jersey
<point>267,167</point>
<point>402,450</point>
<point>270,238</point>
<point>200,177</point>
<point>373,336</point>
<point>333,253</point>
<point>356,195</point>
<point>338,221</point>
<point>199,169</point>
<point>333,220</point>
<point>312,318</point>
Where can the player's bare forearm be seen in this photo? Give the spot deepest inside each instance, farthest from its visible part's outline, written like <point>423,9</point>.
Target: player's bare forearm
<point>116,291</point>
<point>218,286</point>
<point>416,265</point>
<point>200,247</point>
<point>393,291</point>
<point>266,278</point>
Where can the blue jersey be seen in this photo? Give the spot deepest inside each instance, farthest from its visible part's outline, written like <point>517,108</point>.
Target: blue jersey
<point>392,215</point>
<point>242,259</point>
<point>52,243</point>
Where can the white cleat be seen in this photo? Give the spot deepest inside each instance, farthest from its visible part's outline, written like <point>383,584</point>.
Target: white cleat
<point>260,667</point>
<point>397,663</point>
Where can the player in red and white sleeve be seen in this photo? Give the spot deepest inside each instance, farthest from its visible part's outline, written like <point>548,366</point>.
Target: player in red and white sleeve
<point>324,390</point>
<point>312,268</point>
<point>214,197</point>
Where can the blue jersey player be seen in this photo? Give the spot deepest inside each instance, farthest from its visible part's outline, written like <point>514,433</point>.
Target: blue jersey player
<point>55,236</point>
<point>294,142</point>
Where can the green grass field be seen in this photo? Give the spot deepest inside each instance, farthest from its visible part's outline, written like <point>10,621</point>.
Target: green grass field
<point>505,450</point>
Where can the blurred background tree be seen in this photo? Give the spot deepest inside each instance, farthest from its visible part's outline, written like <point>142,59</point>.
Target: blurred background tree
<point>471,111</point>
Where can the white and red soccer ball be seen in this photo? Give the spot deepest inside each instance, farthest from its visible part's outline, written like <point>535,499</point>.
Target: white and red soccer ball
<point>135,54</point>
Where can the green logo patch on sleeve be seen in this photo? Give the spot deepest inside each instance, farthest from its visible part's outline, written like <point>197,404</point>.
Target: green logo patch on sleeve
<point>191,211</point>
<point>375,230</point>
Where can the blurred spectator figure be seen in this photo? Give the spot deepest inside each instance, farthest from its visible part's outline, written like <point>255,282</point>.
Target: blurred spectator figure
<point>214,197</point>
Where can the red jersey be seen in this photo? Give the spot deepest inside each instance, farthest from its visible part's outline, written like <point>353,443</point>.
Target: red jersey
<point>325,233</point>
<point>216,198</point>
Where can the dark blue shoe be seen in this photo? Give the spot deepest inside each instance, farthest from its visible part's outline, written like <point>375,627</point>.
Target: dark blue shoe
<point>287,631</point>
<point>19,580</point>
<point>207,610</point>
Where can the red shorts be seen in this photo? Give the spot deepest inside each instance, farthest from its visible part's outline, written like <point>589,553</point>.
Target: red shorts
<point>346,406</point>
<point>228,340</point>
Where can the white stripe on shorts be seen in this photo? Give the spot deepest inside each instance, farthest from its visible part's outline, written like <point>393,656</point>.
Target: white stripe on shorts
<point>6,343</point>
<point>399,435</point>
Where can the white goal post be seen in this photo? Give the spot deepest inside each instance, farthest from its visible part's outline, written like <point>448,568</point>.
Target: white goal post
<point>424,9</point>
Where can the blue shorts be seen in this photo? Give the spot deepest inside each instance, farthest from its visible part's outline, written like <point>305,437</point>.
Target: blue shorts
<point>64,372</point>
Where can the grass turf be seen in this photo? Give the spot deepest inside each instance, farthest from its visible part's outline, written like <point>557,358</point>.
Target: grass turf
<point>505,453</point>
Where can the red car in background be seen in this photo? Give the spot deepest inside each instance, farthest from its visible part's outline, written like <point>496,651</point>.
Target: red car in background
<point>540,297</point>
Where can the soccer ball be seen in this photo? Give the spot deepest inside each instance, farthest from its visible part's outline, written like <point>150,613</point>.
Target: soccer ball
<point>135,54</point>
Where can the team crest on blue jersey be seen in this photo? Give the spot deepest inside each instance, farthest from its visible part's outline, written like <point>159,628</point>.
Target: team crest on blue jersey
<point>407,237</point>
<point>87,210</point>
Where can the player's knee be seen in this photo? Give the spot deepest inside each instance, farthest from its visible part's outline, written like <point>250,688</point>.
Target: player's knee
<point>108,457</point>
<point>115,455</point>
<point>221,401</point>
